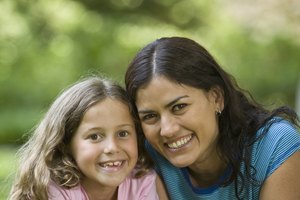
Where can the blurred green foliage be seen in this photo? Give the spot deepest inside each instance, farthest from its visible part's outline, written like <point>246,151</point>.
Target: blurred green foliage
<point>7,168</point>
<point>46,45</point>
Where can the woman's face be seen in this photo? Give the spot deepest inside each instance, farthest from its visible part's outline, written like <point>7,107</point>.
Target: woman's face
<point>105,144</point>
<point>180,121</point>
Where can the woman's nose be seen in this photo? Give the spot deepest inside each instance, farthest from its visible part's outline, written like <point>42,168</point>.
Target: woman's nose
<point>111,146</point>
<point>168,126</point>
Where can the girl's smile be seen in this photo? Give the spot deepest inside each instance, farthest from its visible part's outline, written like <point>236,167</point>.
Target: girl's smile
<point>112,166</point>
<point>105,144</point>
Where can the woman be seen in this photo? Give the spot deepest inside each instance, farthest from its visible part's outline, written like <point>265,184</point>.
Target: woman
<point>208,138</point>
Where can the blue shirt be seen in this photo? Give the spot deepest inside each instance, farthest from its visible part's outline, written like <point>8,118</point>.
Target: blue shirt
<point>269,152</point>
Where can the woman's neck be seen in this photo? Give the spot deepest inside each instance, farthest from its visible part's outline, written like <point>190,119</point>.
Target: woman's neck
<point>207,173</point>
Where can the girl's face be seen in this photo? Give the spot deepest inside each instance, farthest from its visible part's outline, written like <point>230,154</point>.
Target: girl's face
<point>105,144</point>
<point>180,121</point>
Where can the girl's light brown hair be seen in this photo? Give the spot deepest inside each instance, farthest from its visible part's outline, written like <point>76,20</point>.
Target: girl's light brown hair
<point>45,156</point>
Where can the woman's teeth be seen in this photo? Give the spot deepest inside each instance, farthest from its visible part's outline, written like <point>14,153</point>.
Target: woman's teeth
<point>180,143</point>
<point>111,164</point>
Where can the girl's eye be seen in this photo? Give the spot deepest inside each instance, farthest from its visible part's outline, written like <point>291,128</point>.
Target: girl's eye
<point>123,134</point>
<point>178,107</point>
<point>95,137</point>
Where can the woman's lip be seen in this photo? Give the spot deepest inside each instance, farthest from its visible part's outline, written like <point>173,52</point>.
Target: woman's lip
<point>179,142</point>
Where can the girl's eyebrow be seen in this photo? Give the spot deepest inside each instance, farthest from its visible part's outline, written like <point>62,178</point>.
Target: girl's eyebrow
<point>166,106</point>
<point>125,125</point>
<point>118,126</point>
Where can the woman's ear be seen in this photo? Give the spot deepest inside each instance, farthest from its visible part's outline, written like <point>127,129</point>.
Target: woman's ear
<point>217,96</point>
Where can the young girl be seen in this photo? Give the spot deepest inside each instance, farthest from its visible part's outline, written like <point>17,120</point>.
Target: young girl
<point>86,148</point>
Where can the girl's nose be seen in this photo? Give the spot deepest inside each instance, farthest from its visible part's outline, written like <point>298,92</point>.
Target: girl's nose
<point>168,126</point>
<point>111,146</point>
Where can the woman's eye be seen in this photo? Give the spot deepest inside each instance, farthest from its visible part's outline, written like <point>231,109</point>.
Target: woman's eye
<point>123,134</point>
<point>148,117</point>
<point>178,107</point>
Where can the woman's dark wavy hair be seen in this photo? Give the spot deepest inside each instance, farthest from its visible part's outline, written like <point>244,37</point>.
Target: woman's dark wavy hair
<point>184,61</point>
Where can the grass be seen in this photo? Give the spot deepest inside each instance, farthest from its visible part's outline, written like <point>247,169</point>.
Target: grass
<point>7,167</point>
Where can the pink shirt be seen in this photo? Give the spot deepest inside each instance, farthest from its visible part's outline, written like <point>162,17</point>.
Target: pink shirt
<point>142,188</point>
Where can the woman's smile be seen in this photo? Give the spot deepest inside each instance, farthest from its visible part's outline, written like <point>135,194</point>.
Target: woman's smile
<point>179,143</point>
<point>176,117</point>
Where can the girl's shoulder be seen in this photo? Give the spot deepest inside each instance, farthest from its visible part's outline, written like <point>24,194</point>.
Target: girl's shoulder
<point>58,192</point>
<point>143,187</point>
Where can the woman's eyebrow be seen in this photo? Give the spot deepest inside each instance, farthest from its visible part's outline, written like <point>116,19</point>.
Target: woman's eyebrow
<point>175,100</point>
<point>166,106</point>
<point>144,111</point>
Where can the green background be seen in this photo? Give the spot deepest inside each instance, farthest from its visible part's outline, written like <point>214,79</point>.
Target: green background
<point>46,45</point>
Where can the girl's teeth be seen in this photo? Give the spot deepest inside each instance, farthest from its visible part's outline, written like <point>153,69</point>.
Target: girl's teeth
<point>180,143</point>
<point>112,164</point>
<point>117,163</point>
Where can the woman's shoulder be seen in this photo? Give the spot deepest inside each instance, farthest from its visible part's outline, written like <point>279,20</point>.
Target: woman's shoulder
<point>278,135</point>
<point>279,140</point>
<point>280,128</point>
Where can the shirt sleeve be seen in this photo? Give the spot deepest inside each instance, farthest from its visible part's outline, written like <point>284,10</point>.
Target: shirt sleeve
<point>280,142</point>
<point>287,144</point>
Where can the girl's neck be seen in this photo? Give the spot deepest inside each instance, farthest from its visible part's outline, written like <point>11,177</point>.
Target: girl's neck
<point>97,192</point>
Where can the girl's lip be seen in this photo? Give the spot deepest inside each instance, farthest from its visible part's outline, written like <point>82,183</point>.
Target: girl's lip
<point>111,163</point>
<point>112,166</point>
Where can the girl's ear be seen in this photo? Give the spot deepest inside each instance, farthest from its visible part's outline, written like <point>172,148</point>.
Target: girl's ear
<point>217,96</point>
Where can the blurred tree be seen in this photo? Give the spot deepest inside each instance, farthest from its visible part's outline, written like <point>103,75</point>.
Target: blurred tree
<point>46,45</point>
<point>182,14</point>
<point>266,53</point>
